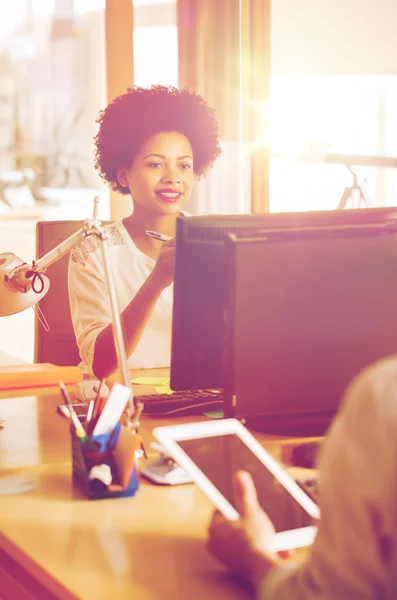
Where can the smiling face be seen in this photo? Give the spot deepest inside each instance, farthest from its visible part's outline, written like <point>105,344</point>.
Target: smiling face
<point>161,176</point>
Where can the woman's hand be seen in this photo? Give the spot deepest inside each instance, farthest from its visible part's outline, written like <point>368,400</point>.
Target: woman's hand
<point>163,271</point>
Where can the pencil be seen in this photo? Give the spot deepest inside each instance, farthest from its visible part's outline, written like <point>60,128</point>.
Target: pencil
<point>75,420</point>
<point>89,412</point>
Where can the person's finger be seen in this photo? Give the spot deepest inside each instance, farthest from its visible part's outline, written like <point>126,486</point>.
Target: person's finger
<point>244,493</point>
<point>286,554</point>
<point>217,519</point>
<point>167,251</point>
<point>166,248</point>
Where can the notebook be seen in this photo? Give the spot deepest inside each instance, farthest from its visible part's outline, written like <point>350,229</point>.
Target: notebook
<point>37,375</point>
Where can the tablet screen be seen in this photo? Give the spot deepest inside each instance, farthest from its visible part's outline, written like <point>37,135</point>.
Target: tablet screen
<point>219,457</point>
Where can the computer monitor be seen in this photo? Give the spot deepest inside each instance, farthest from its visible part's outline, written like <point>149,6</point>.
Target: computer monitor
<point>200,285</point>
<point>306,316</point>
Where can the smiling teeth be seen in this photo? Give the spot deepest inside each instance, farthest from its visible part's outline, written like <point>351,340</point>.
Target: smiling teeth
<point>169,195</point>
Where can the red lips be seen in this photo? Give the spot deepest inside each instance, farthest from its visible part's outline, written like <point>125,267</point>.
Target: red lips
<point>169,195</point>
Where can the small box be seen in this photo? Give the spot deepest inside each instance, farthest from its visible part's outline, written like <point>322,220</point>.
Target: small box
<point>116,450</point>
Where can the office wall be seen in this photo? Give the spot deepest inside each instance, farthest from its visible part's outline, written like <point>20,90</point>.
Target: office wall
<point>321,37</point>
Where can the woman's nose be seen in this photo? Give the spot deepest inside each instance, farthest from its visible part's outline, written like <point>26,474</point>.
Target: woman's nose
<point>171,177</point>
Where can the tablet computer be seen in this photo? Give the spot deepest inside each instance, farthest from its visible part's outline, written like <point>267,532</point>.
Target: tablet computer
<point>212,451</point>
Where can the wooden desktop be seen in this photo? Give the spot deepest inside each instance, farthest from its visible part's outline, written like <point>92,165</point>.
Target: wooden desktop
<point>54,543</point>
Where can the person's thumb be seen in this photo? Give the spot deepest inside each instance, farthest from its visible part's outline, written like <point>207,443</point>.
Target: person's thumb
<point>244,494</point>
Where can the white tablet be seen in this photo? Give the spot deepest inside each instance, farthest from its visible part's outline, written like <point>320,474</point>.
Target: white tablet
<point>212,451</point>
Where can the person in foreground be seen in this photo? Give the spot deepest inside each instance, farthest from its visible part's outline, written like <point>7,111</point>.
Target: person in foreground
<point>354,556</point>
<point>152,143</point>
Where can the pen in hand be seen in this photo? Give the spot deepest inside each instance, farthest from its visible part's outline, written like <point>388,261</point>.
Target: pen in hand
<point>158,236</point>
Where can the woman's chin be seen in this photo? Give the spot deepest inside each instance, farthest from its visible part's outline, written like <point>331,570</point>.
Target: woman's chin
<point>159,207</point>
<point>169,207</point>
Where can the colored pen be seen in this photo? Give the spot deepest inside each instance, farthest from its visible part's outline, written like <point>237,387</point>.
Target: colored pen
<point>101,406</point>
<point>90,409</point>
<point>158,236</point>
<point>75,420</point>
<point>98,398</point>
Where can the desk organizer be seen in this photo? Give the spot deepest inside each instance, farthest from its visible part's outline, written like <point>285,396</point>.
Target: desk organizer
<point>116,450</point>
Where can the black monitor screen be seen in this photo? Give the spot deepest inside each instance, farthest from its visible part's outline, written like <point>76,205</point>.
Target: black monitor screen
<point>305,317</point>
<point>200,285</point>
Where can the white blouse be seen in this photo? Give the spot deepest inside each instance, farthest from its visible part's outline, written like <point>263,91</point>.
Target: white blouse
<point>90,304</point>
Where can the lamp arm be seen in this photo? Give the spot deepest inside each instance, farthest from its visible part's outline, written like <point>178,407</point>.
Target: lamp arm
<point>64,247</point>
<point>20,278</point>
<point>116,320</point>
<point>93,227</point>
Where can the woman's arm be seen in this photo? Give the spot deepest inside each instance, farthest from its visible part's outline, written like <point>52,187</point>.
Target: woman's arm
<point>136,315</point>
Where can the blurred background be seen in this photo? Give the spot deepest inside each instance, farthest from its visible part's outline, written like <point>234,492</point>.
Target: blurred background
<point>305,92</point>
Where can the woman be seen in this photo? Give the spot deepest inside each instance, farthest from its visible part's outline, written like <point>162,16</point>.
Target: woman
<point>152,143</point>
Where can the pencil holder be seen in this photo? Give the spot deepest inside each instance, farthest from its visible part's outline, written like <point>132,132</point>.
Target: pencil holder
<point>104,466</point>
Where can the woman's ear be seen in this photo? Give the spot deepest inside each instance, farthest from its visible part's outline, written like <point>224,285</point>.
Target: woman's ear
<point>122,177</point>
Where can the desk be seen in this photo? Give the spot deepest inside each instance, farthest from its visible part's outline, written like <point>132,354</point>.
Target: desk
<point>64,546</point>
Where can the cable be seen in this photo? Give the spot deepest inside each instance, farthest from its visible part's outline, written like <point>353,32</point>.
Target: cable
<point>36,276</point>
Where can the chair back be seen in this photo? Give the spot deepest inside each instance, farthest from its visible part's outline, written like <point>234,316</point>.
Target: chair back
<point>58,345</point>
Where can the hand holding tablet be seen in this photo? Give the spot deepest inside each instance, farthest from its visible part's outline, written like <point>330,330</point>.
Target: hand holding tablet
<point>212,452</point>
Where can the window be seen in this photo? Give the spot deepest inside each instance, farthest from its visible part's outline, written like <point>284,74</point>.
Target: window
<point>156,55</point>
<point>155,42</point>
<point>312,116</point>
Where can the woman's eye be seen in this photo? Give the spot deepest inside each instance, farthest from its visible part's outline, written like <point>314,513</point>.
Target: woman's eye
<point>186,166</point>
<point>155,165</point>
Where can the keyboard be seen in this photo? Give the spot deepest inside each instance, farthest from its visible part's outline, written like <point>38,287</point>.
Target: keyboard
<point>185,402</point>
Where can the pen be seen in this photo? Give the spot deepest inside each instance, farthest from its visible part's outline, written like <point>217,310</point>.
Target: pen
<point>63,411</point>
<point>101,406</point>
<point>75,420</point>
<point>139,409</point>
<point>97,399</point>
<point>90,409</point>
<point>158,236</point>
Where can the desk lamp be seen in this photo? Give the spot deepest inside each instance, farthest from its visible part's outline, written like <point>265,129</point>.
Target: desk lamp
<point>23,285</point>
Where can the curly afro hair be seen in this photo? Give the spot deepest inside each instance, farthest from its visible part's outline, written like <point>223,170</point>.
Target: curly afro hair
<point>130,119</point>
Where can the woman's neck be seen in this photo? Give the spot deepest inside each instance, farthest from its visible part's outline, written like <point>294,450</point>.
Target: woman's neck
<point>137,223</point>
